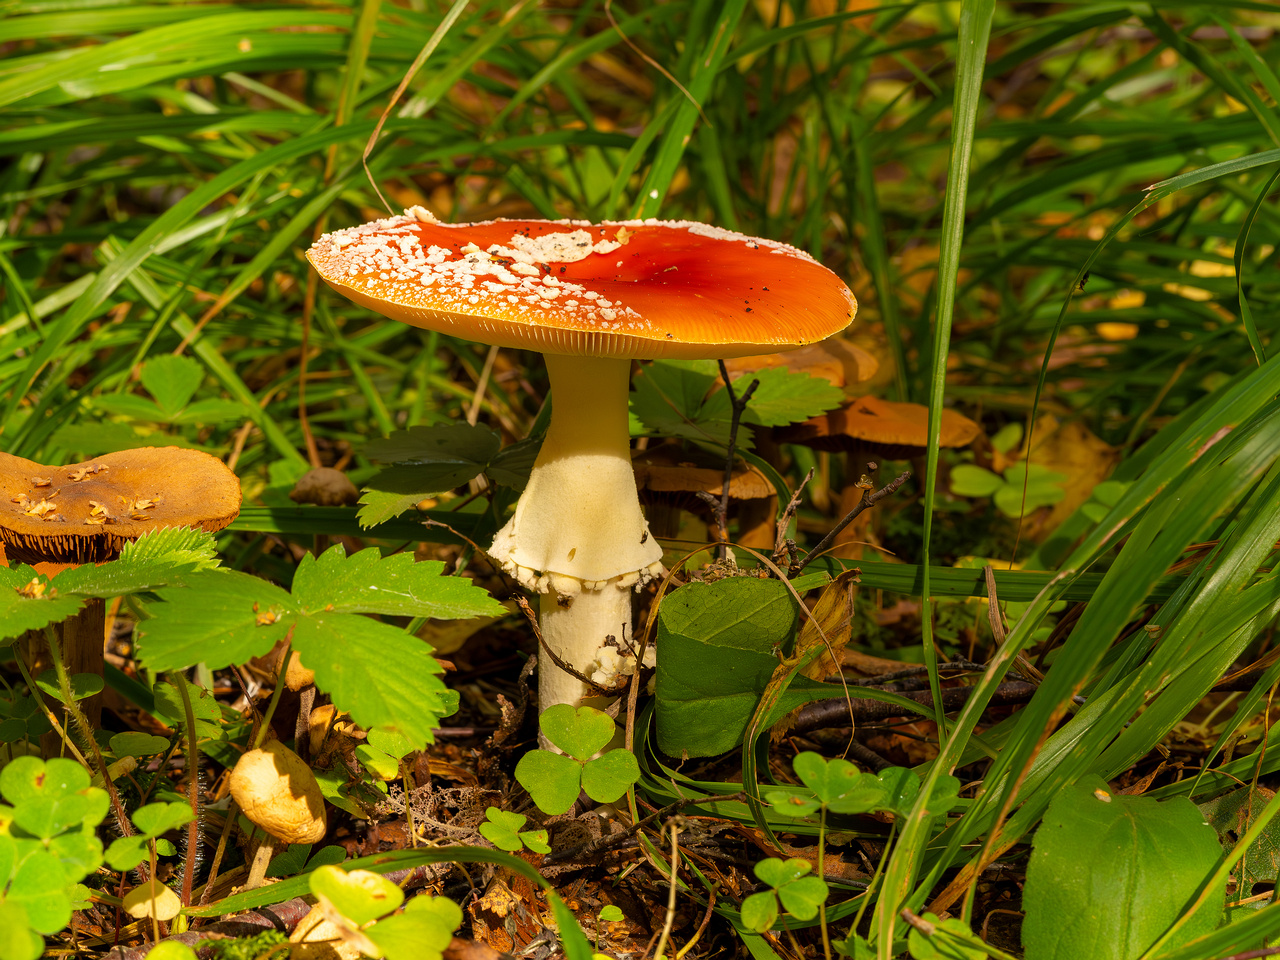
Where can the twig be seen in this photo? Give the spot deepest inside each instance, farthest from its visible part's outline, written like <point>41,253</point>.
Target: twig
<point>562,664</point>
<point>781,545</point>
<point>737,404</point>
<point>829,713</point>
<point>869,499</point>
<point>592,847</point>
<point>670,919</point>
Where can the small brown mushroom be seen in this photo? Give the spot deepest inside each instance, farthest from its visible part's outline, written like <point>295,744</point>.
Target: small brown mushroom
<point>325,487</point>
<point>279,793</point>
<point>669,478</point>
<point>86,513</point>
<point>868,428</point>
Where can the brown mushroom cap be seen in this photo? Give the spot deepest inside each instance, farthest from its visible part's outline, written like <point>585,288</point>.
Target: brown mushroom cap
<point>640,289</point>
<point>667,469</point>
<point>85,512</point>
<point>279,793</point>
<point>898,430</point>
<point>835,359</point>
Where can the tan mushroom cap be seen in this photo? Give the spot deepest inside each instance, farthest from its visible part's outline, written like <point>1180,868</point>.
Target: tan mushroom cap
<point>835,359</point>
<point>85,512</point>
<point>279,793</point>
<point>666,469</point>
<point>638,289</point>
<point>900,429</point>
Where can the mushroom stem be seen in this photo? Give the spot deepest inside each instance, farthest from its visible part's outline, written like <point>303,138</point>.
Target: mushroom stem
<point>578,535</point>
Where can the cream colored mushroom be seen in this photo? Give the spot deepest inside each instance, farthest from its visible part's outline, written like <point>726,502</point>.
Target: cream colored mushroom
<point>279,794</point>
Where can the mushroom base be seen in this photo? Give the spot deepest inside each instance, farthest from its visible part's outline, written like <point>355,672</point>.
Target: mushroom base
<point>578,629</point>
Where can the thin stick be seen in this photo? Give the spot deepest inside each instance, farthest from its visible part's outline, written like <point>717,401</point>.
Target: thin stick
<point>869,499</point>
<point>737,404</point>
<point>670,918</point>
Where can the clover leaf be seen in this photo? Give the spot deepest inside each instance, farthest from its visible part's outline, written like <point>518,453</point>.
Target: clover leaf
<point>554,780</point>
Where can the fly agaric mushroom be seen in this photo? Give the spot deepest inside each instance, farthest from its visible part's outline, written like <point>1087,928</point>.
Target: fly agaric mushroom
<point>279,793</point>
<point>591,297</point>
<point>87,512</point>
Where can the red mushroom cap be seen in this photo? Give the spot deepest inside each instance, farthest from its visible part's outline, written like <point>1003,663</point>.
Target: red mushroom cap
<point>639,289</point>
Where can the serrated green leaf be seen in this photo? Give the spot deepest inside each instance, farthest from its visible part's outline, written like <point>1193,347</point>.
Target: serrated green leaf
<point>163,557</point>
<point>366,582</point>
<point>580,732</point>
<point>383,678</point>
<point>1109,873</point>
<point>608,777</point>
<point>783,397</point>
<point>553,780</point>
<point>22,611</point>
<point>218,618</point>
<point>172,380</point>
<point>667,397</point>
<point>391,492</point>
<point>513,464</point>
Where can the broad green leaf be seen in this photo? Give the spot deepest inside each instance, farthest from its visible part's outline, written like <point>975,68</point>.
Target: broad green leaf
<point>41,885</point>
<point>417,935</point>
<point>718,647</point>
<point>968,480</point>
<point>46,817</point>
<point>536,840</point>
<point>1109,873</point>
<point>133,743</point>
<point>580,732</point>
<point>502,829</point>
<point>29,602</point>
<point>553,780</point>
<point>389,743</point>
<point>1231,816</point>
<point>170,708</point>
<point>513,464</point>
<point>172,380</point>
<point>219,618</point>
<point>381,765</point>
<point>803,897</point>
<point>830,780</point>
<point>952,940</point>
<point>360,896</point>
<point>80,852</point>
<point>391,492</point>
<point>366,582</point>
<point>610,914</point>
<point>384,677</point>
<point>157,818</point>
<point>455,443</point>
<point>30,778</point>
<point>125,853</point>
<point>777,872</point>
<point>82,685</point>
<point>760,911</point>
<point>608,777</point>
<point>17,940</point>
<point>667,398</point>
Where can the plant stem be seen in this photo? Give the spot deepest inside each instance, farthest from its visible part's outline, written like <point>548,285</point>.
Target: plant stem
<point>193,769</point>
<point>737,404</point>
<point>261,736</point>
